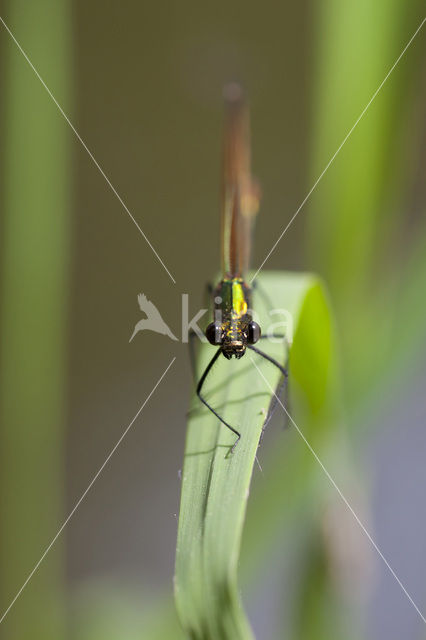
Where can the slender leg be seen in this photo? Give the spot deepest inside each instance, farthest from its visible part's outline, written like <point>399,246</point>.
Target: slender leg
<point>282,386</point>
<point>279,390</point>
<point>266,336</point>
<point>204,401</point>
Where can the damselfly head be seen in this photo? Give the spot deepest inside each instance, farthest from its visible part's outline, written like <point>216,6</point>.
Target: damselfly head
<point>234,348</point>
<point>233,336</point>
<point>214,333</point>
<point>253,332</point>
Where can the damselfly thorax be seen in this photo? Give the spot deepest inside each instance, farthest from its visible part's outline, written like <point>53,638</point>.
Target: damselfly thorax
<point>233,327</point>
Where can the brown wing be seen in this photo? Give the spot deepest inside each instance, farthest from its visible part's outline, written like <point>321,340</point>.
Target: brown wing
<point>240,192</point>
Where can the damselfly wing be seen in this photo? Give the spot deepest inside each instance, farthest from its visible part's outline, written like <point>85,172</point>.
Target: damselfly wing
<point>240,192</point>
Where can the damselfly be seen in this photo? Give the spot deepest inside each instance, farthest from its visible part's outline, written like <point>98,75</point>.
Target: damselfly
<point>233,329</point>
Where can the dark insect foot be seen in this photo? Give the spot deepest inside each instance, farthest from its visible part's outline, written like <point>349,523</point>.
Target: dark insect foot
<point>232,449</point>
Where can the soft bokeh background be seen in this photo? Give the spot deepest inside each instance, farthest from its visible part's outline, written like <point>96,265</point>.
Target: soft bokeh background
<point>142,83</point>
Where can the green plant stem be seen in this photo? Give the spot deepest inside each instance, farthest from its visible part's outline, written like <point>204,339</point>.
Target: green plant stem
<point>35,256</point>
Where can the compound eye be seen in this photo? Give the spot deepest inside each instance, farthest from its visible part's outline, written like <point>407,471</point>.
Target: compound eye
<point>253,332</point>
<point>214,333</point>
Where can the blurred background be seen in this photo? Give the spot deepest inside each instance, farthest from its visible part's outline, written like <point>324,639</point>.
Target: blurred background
<point>141,83</point>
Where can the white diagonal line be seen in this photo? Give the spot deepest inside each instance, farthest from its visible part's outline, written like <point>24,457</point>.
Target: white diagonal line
<point>333,157</point>
<point>342,496</point>
<point>92,157</point>
<point>78,503</point>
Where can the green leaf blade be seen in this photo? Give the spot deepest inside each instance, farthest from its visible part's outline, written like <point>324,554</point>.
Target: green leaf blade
<point>215,483</point>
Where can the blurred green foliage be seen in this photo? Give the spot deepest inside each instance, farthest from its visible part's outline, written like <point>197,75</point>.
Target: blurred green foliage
<point>357,234</point>
<point>35,260</point>
<point>362,229</point>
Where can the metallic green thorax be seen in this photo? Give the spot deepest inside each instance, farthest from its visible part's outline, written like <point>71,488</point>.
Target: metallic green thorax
<point>232,300</point>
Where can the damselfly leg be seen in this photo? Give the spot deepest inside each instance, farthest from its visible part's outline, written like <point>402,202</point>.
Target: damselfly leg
<point>207,371</point>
